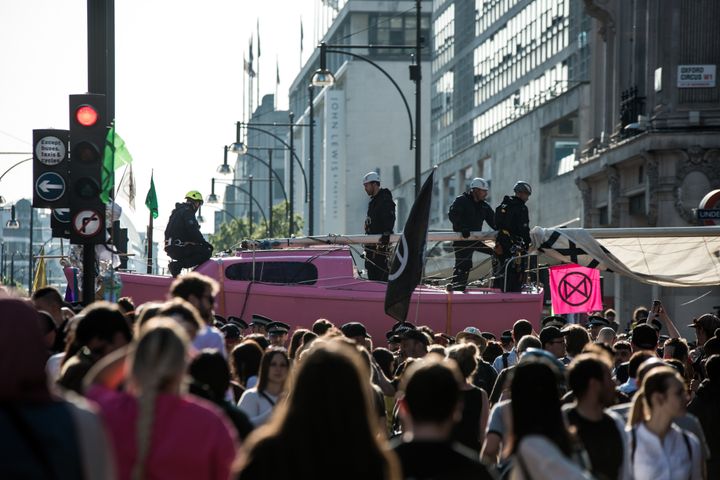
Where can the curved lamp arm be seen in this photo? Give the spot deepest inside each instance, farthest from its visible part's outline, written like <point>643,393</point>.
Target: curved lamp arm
<point>397,87</point>
<point>279,139</point>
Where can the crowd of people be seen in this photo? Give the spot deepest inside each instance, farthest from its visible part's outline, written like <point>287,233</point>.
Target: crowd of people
<point>172,390</point>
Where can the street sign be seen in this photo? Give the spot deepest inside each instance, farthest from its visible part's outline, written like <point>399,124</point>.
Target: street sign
<point>50,168</point>
<point>50,186</point>
<point>708,214</point>
<point>696,76</point>
<point>62,215</point>
<point>60,223</point>
<point>87,224</point>
<point>50,150</point>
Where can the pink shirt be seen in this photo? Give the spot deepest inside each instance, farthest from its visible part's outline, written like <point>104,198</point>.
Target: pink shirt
<point>190,437</point>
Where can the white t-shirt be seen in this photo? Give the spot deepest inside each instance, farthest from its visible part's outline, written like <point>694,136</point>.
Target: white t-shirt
<point>256,406</point>
<point>666,459</point>
<point>52,367</point>
<point>545,461</point>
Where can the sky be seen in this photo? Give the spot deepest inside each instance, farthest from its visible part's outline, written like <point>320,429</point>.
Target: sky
<point>178,83</point>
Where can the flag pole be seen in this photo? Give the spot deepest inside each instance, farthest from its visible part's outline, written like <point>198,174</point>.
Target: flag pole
<point>150,230</point>
<point>149,244</point>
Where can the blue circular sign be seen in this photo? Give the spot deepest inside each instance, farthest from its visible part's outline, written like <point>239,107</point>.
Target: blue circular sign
<point>50,186</point>
<point>62,215</point>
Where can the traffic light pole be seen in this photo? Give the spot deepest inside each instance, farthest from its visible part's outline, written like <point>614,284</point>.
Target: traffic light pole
<point>101,79</point>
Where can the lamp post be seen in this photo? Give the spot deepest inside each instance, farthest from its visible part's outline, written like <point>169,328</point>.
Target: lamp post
<point>324,78</point>
<point>241,148</point>
<point>213,198</point>
<point>271,173</point>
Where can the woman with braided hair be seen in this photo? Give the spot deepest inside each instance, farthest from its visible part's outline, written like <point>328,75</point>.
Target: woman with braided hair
<point>158,432</point>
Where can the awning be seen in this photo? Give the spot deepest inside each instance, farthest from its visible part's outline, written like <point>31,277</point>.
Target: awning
<point>672,257</point>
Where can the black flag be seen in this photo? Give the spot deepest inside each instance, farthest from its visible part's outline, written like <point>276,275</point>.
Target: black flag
<point>409,259</point>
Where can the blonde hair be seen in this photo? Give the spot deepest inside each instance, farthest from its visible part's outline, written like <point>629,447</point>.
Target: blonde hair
<point>657,381</point>
<point>156,364</point>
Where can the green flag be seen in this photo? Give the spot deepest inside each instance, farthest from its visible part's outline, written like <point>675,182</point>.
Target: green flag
<point>115,156</point>
<point>151,199</point>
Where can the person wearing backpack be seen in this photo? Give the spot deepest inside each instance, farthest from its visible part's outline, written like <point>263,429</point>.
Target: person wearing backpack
<point>660,450</point>
<point>184,243</point>
<point>512,221</point>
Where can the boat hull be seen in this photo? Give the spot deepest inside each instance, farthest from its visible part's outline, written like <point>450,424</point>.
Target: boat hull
<point>334,290</point>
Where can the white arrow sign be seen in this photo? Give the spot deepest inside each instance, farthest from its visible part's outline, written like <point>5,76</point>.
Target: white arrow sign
<point>46,186</point>
<point>50,186</point>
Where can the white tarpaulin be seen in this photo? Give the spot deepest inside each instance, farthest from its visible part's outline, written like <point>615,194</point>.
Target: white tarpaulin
<point>672,257</point>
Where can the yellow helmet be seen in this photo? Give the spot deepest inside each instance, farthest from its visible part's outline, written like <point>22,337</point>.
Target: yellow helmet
<point>194,195</point>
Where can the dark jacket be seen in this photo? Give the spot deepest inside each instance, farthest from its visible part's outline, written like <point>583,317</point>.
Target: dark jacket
<point>706,407</point>
<point>183,225</point>
<point>380,213</point>
<point>512,216</point>
<point>468,215</point>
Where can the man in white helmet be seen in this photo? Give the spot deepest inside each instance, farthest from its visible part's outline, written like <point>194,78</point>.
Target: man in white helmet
<point>467,214</point>
<point>380,220</point>
<point>513,239</point>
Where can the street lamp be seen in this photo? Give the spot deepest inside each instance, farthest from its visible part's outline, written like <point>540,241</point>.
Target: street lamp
<point>12,224</point>
<point>249,193</point>
<point>324,78</point>
<point>242,149</point>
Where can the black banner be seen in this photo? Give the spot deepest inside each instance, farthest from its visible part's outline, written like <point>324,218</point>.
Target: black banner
<point>409,259</point>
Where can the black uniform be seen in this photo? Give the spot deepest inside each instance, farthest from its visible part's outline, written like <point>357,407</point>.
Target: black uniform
<point>183,241</point>
<point>380,220</point>
<point>512,220</point>
<point>468,215</point>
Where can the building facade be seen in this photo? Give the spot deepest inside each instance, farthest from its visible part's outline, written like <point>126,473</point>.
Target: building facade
<point>653,149</point>
<point>361,122</point>
<point>509,85</point>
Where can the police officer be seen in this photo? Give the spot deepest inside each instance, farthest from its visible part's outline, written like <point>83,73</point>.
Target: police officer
<point>467,213</point>
<point>513,239</point>
<point>184,243</point>
<point>380,220</point>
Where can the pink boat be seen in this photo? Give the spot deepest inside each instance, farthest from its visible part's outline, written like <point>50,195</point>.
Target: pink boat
<point>299,285</point>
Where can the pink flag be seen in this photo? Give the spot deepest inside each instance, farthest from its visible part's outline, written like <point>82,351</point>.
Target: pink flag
<point>575,289</point>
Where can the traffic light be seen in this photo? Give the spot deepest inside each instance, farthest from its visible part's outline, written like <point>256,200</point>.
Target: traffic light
<point>88,129</point>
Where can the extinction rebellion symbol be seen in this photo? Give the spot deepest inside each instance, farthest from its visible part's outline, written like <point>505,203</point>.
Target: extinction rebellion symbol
<point>575,288</point>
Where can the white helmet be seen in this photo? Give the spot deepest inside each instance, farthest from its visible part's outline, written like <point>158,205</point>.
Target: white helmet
<point>522,186</point>
<point>371,177</point>
<point>479,183</point>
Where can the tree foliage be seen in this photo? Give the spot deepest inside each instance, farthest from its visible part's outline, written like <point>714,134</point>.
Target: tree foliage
<point>232,232</point>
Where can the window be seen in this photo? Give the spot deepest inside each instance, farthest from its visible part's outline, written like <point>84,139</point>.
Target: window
<point>274,272</point>
<point>603,215</point>
<point>396,29</point>
<point>560,142</point>
<point>636,205</point>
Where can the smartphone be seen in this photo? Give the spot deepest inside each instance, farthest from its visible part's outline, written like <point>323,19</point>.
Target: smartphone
<point>656,308</point>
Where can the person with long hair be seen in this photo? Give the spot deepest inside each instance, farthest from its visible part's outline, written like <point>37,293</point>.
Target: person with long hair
<point>157,431</point>
<point>258,402</point>
<point>324,422</point>
<point>470,430</point>
<point>659,449</point>
<point>244,367</point>
<point>541,444</point>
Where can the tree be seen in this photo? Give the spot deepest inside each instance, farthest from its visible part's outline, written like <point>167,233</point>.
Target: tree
<point>232,232</point>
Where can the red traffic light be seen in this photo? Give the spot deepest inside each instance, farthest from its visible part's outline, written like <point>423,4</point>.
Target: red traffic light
<point>86,116</point>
